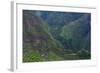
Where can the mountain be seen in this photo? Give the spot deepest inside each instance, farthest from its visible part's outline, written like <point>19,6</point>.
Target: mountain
<point>77,31</point>
<point>37,36</point>
<point>50,36</point>
<point>57,20</point>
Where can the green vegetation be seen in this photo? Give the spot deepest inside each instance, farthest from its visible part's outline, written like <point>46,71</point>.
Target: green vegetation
<point>32,57</point>
<point>55,36</point>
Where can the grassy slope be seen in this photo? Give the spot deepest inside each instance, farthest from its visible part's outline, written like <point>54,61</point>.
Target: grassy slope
<point>33,56</point>
<point>30,54</point>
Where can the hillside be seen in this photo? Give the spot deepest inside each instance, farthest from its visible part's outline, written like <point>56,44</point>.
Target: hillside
<point>50,36</point>
<point>37,38</point>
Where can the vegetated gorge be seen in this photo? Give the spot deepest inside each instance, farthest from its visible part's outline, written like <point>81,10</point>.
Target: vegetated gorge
<point>56,36</point>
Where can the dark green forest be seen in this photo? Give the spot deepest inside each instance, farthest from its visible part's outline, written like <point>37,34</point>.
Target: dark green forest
<point>56,36</point>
